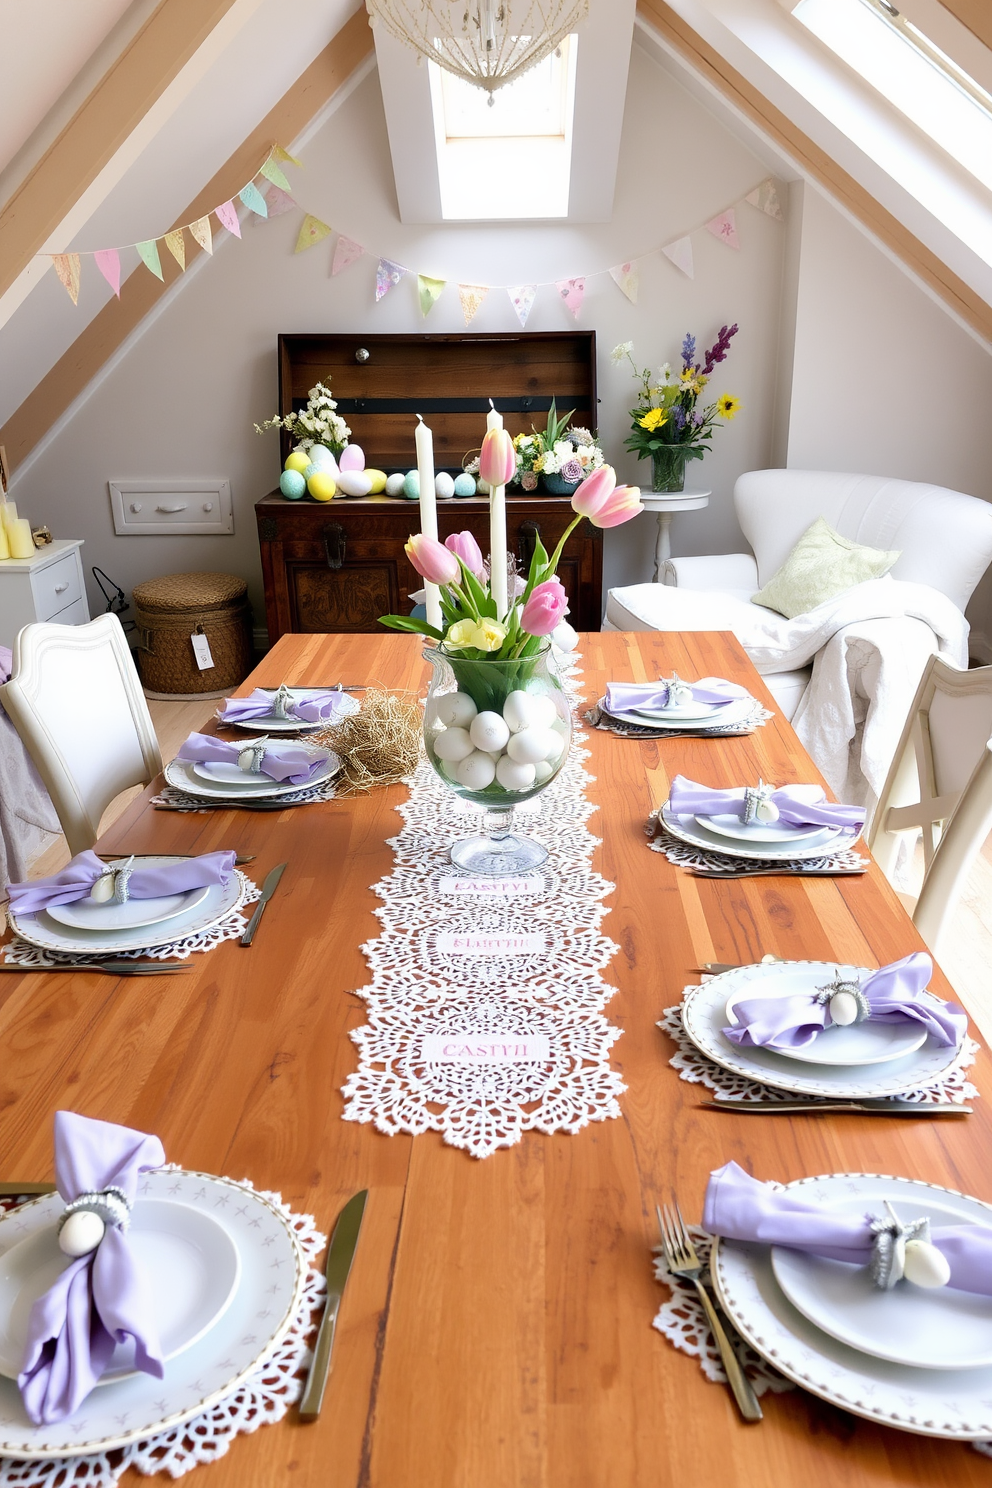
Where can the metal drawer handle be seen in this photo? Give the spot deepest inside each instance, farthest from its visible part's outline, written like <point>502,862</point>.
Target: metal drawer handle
<point>334,544</point>
<point>61,588</point>
<point>171,508</point>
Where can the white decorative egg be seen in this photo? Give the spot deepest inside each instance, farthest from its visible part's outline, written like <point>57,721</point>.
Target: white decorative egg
<point>555,744</point>
<point>394,484</point>
<point>103,890</point>
<point>766,811</point>
<point>352,457</point>
<point>455,708</point>
<point>354,482</point>
<point>518,711</point>
<point>843,1009</point>
<point>529,746</point>
<point>545,712</point>
<point>444,486</point>
<point>477,771</point>
<point>564,636</point>
<point>924,1265</point>
<point>322,456</point>
<point>488,731</point>
<point>513,776</point>
<point>81,1233</point>
<point>453,744</point>
<point>543,771</point>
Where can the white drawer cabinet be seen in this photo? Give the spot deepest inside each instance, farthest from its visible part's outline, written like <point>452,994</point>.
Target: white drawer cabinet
<point>47,586</point>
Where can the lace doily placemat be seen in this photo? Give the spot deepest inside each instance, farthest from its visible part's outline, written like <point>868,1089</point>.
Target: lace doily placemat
<point>600,719</point>
<point>503,975</point>
<point>179,800</point>
<point>685,855</point>
<point>954,1087</point>
<point>260,1400</point>
<point>18,952</point>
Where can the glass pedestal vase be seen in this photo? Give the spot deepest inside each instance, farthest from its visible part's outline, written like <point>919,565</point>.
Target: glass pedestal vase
<point>668,467</point>
<point>497,733</point>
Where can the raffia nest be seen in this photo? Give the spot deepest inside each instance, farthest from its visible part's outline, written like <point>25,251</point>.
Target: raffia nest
<point>380,745</point>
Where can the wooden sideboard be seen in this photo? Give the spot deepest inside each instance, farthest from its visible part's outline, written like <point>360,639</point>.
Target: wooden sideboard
<point>339,565</point>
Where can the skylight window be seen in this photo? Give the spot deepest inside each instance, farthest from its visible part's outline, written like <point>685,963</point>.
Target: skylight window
<point>906,68</point>
<point>511,160</point>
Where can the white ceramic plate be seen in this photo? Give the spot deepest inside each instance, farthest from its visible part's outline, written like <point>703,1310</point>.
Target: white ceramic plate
<point>687,829</point>
<point>728,825</point>
<point>858,1044</point>
<point>189,1258</point>
<point>269,724</point>
<point>939,1329</point>
<point>930,1402</point>
<point>220,901</point>
<point>704,1017</point>
<point>732,714</point>
<point>696,712</point>
<point>84,914</point>
<point>182,774</point>
<point>219,772</point>
<point>273,1273</point>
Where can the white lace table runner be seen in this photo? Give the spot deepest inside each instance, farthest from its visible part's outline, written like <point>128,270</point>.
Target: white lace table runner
<point>485,1008</point>
<point>260,1400</point>
<point>18,952</point>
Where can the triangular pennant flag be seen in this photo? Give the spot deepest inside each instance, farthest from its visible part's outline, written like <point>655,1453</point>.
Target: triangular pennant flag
<point>278,153</point>
<point>680,253</point>
<point>108,261</point>
<point>67,268</point>
<point>346,252</point>
<point>572,292</point>
<point>522,298</point>
<point>724,227</point>
<point>149,256</point>
<point>227,216</point>
<point>471,296</point>
<point>626,278</point>
<point>428,291</point>
<point>176,244</point>
<point>275,174</point>
<point>201,232</point>
<point>278,201</point>
<point>387,274</point>
<point>253,198</point>
<point>765,198</point>
<point>311,231</point>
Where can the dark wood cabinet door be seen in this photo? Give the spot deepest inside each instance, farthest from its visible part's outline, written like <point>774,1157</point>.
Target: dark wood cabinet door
<point>350,598</point>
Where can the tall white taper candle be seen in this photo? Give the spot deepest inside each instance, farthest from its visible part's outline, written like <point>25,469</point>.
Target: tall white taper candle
<point>497,530</point>
<point>428,509</point>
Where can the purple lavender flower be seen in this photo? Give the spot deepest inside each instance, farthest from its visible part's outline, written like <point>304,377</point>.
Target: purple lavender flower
<point>571,471</point>
<point>697,419</point>
<point>718,351</point>
<point>678,417</point>
<point>689,349</point>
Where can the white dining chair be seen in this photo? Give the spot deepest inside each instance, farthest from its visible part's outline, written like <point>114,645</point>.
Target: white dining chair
<point>75,699</point>
<point>940,783</point>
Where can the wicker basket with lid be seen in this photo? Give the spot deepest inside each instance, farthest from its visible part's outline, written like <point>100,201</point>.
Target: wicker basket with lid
<point>170,610</point>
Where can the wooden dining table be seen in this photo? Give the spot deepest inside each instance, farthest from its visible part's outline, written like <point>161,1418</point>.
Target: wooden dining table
<point>496,1331</point>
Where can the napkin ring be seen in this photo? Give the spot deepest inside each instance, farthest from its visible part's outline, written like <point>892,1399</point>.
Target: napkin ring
<point>112,885</point>
<point>251,755</point>
<point>888,1252</point>
<point>678,691</point>
<point>112,1205</point>
<point>758,804</point>
<point>282,704</point>
<point>844,997</point>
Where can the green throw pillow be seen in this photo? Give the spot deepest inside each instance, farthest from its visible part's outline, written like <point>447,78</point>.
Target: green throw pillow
<point>820,566</point>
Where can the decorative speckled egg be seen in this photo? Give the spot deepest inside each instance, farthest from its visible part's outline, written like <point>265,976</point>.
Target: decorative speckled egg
<point>444,486</point>
<point>455,709</point>
<point>354,482</point>
<point>488,731</point>
<point>321,455</point>
<point>464,484</point>
<point>476,772</point>
<point>482,487</point>
<point>543,771</point>
<point>411,486</point>
<point>378,478</point>
<point>321,485</point>
<point>394,484</point>
<point>512,775</point>
<point>298,461</point>
<point>453,744</point>
<point>352,458</point>
<point>292,484</point>
<point>81,1233</point>
<point>924,1265</point>
<point>529,746</point>
<point>518,711</point>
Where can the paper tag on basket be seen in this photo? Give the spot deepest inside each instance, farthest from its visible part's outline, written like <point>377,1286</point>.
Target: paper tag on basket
<point>480,943</point>
<point>485,1048</point>
<point>492,888</point>
<point>201,650</point>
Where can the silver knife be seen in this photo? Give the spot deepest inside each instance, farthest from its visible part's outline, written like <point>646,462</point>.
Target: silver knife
<point>268,889</point>
<point>112,968</point>
<point>779,872</point>
<point>867,1107</point>
<point>340,1254</point>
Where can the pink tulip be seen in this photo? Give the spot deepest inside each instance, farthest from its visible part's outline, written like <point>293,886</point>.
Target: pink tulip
<point>432,560</point>
<point>543,611</point>
<point>465,547</point>
<point>604,502</point>
<point>498,460</point>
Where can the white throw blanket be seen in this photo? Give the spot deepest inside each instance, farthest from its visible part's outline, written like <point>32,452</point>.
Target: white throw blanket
<point>868,647</point>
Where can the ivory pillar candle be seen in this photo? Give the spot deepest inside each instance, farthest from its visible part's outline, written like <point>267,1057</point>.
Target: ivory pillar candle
<point>8,514</point>
<point>428,509</point>
<point>4,544</point>
<point>497,531</point>
<point>21,541</point>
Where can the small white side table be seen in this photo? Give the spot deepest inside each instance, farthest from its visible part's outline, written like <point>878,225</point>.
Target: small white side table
<point>46,586</point>
<point>666,503</point>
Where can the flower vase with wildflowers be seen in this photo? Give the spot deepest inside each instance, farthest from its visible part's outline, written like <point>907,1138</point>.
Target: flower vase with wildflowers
<point>318,423</point>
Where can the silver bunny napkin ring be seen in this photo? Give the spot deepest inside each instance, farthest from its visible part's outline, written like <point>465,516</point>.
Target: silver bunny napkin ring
<point>758,804</point>
<point>903,1248</point>
<point>112,885</point>
<point>251,755</point>
<point>84,1222</point>
<point>679,692</point>
<point>845,1001</point>
<point>282,704</point>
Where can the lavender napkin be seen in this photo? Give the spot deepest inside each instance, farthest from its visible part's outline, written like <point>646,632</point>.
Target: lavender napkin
<point>739,1207</point>
<point>77,878</point>
<point>321,708</point>
<point>101,1299</point>
<point>686,798</point>
<point>624,697</point>
<point>895,993</point>
<point>283,760</point>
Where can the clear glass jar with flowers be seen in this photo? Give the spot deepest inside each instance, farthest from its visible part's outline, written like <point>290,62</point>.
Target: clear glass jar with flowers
<point>667,424</point>
<point>558,457</point>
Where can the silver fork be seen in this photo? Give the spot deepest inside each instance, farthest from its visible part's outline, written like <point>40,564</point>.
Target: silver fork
<point>682,1260</point>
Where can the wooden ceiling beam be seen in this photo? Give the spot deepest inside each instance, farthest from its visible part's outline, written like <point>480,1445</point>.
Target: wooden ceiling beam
<point>976,15</point>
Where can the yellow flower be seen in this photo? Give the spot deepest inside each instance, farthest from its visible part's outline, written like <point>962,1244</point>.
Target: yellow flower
<point>727,405</point>
<point>461,634</point>
<point>486,635</point>
<point>653,419</point>
<point>692,382</point>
